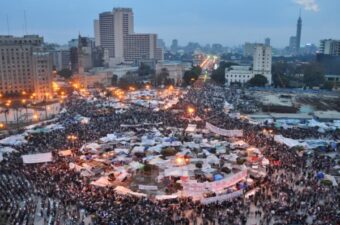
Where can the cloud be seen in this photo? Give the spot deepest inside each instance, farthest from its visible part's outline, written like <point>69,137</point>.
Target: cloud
<point>309,5</point>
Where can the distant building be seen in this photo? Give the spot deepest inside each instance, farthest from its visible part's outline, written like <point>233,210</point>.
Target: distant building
<point>298,35</point>
<point>249,49</point>
<point>262,63</point>
<point>330,47</point>
<point>25,66</point>
<point>175,69</point>
<point>161,44</point>
<point>238,74</point>
<point>267,41</point>
<point>96,26</point>
<point>61,59</point>
<point>292,44</point>
<point>174,45</point>
<point>116,33</point>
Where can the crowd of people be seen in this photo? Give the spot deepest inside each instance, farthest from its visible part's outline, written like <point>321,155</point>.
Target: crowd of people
<point>51,193</point>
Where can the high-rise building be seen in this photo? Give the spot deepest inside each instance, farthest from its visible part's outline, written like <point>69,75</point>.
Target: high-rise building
<point>262,61</point>
<point>174,45</point>
<point>298,34</point>
<point>117,37</point>
<point>25,66</point>
<point>330,47</point>
<point>96,27</point>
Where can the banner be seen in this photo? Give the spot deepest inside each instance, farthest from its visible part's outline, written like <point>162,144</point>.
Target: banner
<point>222,198</point>
<point>223,132</point>
<point>148,187</point>
<point>216,186</point>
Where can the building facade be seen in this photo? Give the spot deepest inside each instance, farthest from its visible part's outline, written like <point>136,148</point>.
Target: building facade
<point>25,66</point>
<point>262,64</point>
<point>61,59</point>
<point>238,74</point>
<point>117,37</point>
<point>330,47</point>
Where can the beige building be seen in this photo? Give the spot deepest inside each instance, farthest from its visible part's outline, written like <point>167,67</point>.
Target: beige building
<point>115,33</point>
<point>24,66</point>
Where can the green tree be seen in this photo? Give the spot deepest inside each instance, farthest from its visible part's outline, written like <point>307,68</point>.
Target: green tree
<point>218,75</point>
<point>328,85</point>
<point>190,76</point>
<point>144,70</point>
<point>114,80</point>
<point>313,75</point>
<point>258,80</point>
<point>65,73</point>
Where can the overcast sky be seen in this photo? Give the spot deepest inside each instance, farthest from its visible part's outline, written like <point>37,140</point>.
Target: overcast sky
<point>229,22</point>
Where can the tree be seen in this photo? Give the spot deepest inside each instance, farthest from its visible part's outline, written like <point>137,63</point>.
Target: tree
<point>328,85</point>
<point>258,80</point>
<point>313,75</point>
<point>218,75</point>
<point>114,80</point>
<point>65,73</point>
<point>144,70</point>
<point>192,75</point>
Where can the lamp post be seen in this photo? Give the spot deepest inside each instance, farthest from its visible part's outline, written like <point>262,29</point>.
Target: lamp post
<point>72,138</point>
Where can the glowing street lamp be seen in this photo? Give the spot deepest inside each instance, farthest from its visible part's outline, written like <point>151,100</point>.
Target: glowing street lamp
<point>35,116</point>
<point>2,126</point>
<point>191,110</point>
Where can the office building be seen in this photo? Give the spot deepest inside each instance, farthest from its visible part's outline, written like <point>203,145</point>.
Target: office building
<point>330,47</point>
<point>61,59</point>
<point>96,26</point>
<point>117,38</point>
<point>262,61</point>
<point>25,66</point>
<point>174,45</point>
<point>238,74</point>
<point>262,64</point>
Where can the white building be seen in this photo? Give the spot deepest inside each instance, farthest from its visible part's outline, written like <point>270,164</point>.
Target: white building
<point>262,64</point>
<point>330,47</point>
<point>262,61</point>
<point>238,74</point>
<point>24,66</point>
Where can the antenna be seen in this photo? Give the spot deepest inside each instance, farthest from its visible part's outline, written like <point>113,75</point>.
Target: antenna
<point>300,13</point>
<point>7,24</point>
<point>25,20</point>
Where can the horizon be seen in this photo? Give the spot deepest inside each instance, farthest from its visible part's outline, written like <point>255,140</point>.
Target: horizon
<point>190,22</point>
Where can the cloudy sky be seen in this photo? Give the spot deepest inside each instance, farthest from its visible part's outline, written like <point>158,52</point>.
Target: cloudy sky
<point>229,22</point>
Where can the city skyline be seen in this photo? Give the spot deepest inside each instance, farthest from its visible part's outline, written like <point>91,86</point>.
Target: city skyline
<point>185,21</point>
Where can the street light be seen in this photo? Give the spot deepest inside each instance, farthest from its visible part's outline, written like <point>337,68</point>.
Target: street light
<point>191,110</point>
<point>72,138</point>
<point>2,126</point>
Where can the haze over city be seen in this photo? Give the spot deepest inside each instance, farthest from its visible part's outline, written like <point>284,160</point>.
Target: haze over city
<point>229,22</point>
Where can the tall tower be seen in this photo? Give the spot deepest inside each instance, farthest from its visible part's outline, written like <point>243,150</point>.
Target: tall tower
<point>298,33</point>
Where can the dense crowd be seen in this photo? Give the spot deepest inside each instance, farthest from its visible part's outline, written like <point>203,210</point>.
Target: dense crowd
<point>290,193</point>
